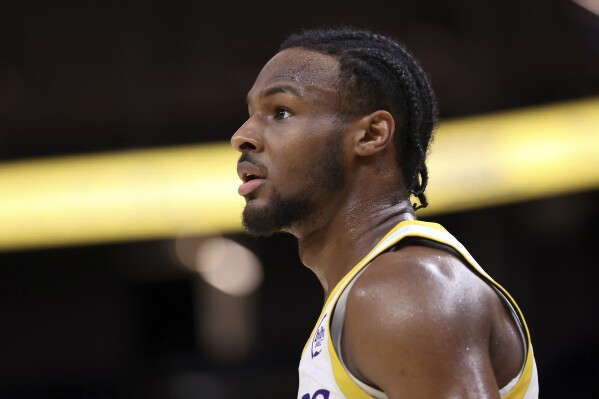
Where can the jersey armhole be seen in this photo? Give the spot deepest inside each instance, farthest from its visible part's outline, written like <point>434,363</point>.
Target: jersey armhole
<point>336,330</point>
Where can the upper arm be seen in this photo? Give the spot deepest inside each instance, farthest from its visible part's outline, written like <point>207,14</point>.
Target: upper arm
<point>416,327</point>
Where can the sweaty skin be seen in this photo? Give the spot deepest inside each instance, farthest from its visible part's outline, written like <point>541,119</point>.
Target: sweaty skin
<point>420,316</point>
<point>418,323</point>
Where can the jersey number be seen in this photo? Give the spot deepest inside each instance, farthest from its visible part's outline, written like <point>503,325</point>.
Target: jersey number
<point>320,394</point>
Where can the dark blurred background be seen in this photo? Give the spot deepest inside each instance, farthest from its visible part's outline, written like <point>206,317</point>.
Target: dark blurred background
<point>127,320</point>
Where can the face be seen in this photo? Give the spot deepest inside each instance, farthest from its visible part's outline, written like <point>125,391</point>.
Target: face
<point>292,144</point>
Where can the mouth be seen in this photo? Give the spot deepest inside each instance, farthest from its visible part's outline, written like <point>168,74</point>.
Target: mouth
<point>251,177</point>
<point>247,177</point>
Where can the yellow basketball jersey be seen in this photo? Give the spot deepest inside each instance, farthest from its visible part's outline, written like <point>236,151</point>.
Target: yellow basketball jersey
<point>321,372</point>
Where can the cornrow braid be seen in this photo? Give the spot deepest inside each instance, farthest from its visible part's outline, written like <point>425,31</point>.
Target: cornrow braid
<point>377,72</point>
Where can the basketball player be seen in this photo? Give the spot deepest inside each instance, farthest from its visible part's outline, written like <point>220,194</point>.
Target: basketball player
<point>333,150</point>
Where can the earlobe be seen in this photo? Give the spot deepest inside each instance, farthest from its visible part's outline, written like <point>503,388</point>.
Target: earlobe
<point>375,133</point>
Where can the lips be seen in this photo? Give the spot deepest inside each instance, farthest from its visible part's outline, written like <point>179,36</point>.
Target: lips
<point>251,176</point>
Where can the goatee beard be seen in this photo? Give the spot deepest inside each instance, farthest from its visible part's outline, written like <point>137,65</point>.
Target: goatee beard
<point>278,216</point>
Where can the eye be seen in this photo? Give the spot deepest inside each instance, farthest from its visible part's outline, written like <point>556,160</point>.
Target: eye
<point>282,113</point>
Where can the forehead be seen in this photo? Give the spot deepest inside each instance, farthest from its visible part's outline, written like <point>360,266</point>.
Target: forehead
<point>308,70</point>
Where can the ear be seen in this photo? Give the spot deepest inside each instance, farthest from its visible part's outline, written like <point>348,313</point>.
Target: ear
<point>375,133</point>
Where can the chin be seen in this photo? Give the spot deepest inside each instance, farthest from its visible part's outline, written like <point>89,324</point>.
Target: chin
<point>277,214</point>
<point>259,220</point>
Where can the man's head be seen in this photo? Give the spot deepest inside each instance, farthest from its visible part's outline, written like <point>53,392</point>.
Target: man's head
<point>303,107</point>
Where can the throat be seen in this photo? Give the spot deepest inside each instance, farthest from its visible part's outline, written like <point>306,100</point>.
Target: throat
<point>333,251</point>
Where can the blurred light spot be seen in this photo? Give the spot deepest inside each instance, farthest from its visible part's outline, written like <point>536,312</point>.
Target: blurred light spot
<point>591,5</point>
<point>228,266</point>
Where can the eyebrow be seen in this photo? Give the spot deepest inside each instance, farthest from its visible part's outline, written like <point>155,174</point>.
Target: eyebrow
<point>282,88</point>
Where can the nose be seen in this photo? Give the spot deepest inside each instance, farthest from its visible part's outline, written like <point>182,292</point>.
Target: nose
<point>245,138</point>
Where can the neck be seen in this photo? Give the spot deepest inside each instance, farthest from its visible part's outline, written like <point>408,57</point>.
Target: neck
<point>332,249</point>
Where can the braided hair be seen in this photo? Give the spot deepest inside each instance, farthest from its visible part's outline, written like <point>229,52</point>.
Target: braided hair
<point>377,72</point>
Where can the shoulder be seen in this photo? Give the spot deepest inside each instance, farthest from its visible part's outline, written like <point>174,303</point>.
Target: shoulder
<point>419,282</point>
<point>412,311</point>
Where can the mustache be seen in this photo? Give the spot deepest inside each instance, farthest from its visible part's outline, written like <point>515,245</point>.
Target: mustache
<point>250,158</point>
